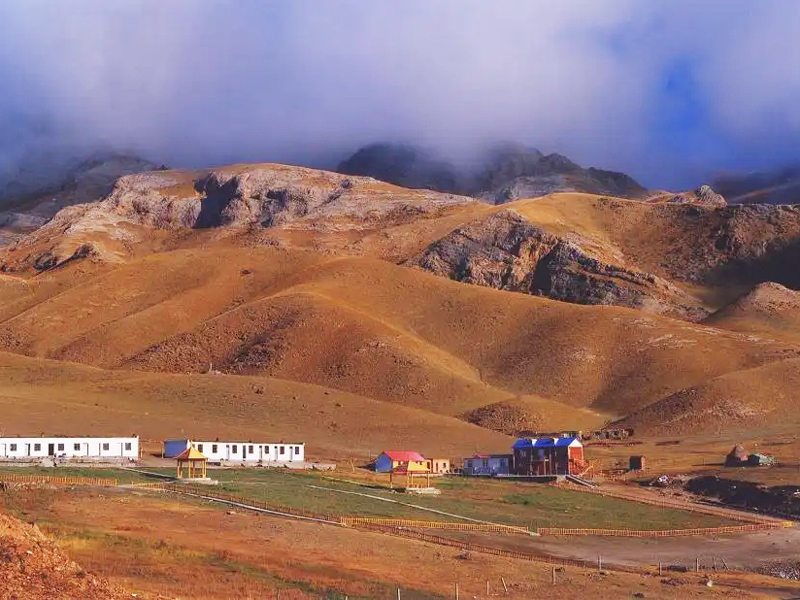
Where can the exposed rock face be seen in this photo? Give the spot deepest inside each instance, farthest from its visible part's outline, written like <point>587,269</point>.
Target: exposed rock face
<point>507,172</point>
<point>266,195</point>
<point>704,196</point>
<point>237,197</point>
<point>514,172</point>
<point>507,252</point>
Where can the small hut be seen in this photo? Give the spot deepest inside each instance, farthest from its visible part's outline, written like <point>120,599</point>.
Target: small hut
<point>195,463</point>
<point>737,457</point>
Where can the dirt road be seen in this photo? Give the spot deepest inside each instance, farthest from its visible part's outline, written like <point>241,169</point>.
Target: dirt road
<point>742,551</point>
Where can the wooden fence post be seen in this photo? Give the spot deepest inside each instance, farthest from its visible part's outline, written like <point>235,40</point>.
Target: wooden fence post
<point>505,587</point>
<point>554,575</point>
<point>456,590</point>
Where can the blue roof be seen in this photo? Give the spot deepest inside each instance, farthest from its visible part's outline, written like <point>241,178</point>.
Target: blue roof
<point>543,442</point>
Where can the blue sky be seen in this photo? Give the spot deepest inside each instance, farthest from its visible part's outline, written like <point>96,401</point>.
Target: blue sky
<point>672,92</point>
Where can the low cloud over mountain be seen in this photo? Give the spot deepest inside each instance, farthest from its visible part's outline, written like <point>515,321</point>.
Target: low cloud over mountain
<point>668,93</point>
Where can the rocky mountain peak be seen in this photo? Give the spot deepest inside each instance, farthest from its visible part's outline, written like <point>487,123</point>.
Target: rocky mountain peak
<point>505,172</point>
<point>403,165</point>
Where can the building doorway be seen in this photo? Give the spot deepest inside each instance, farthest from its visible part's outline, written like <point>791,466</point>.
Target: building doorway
<point>51,449</point>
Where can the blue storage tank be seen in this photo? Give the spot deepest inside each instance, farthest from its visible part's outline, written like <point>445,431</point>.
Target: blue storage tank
<point>173,448</point>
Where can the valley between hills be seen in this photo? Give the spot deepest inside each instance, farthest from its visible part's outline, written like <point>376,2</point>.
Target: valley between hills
<point>265,298</point>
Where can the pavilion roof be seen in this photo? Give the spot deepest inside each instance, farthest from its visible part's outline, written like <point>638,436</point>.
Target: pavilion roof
<point>191,453</point>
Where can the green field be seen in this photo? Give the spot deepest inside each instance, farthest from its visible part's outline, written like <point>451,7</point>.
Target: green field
<point>512,503</point>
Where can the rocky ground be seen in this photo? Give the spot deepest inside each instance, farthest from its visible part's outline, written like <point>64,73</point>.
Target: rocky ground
<point>33,568</point>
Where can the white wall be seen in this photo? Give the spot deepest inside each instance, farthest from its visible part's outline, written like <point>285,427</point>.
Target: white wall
<point>251,452</point>
<point>42,447</point>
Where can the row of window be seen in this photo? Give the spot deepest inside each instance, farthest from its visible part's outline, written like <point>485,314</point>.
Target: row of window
<point>76,447</point>
<point>247,449</point>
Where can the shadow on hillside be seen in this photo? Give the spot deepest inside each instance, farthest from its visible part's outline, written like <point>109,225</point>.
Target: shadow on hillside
<point>215,198</point>
<point>779,263</point>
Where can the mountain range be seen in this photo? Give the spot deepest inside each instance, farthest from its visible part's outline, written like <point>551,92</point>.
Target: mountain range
<point>340,296</point>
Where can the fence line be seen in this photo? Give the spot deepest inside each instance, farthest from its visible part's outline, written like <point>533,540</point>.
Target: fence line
<point>726,512</point>
<point>665,532</point>
<point>410,523</point>
<point>402,525</point>
<point>57,480</point>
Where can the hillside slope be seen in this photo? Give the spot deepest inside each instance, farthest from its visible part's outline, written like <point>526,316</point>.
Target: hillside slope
<point>371,328</point>
<point>768,308</point>
<point>271,271</point>
<point>748,400</point>
<point>63,398</point>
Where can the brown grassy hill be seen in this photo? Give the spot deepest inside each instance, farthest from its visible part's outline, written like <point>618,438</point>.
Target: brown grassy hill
<point>56,397</point>
<point>752,400</point>
<point>279,272</point>
<point>768,308</point>
<point>370,328</point>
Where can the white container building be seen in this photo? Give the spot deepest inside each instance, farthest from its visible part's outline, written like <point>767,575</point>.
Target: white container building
<point>27,448</point>
<point>247,452</point>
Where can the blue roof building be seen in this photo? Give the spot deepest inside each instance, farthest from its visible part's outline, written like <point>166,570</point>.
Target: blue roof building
<point>548,456</point>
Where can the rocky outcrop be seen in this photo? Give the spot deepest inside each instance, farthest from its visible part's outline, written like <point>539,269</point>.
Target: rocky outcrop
<point>505,251</point>
<point>257,196</point>
<point>266,195</point>
<point>514,172</point>
<point>704,196</point>
<point>89,181</point>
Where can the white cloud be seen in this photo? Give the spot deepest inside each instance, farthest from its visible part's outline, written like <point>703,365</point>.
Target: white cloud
<point>212,81</point>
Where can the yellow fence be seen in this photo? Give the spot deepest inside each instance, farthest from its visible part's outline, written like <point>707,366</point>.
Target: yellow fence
<point>409,523</point>
<point>667,532</point>
<point>405,525</point>
<point>56,480</point>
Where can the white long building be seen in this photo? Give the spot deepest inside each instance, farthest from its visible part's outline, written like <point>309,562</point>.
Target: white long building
<point>69,447</point>
<point>250,452</point>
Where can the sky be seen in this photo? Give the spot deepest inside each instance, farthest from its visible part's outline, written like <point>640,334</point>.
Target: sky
<point>672,92</point>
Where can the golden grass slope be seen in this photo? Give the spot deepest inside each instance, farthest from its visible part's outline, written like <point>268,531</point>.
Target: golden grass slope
<point>320,299</point>
<point>747,400</point>
<point>38,395</point>
<point>371,328</point>
<point>769,308</point>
